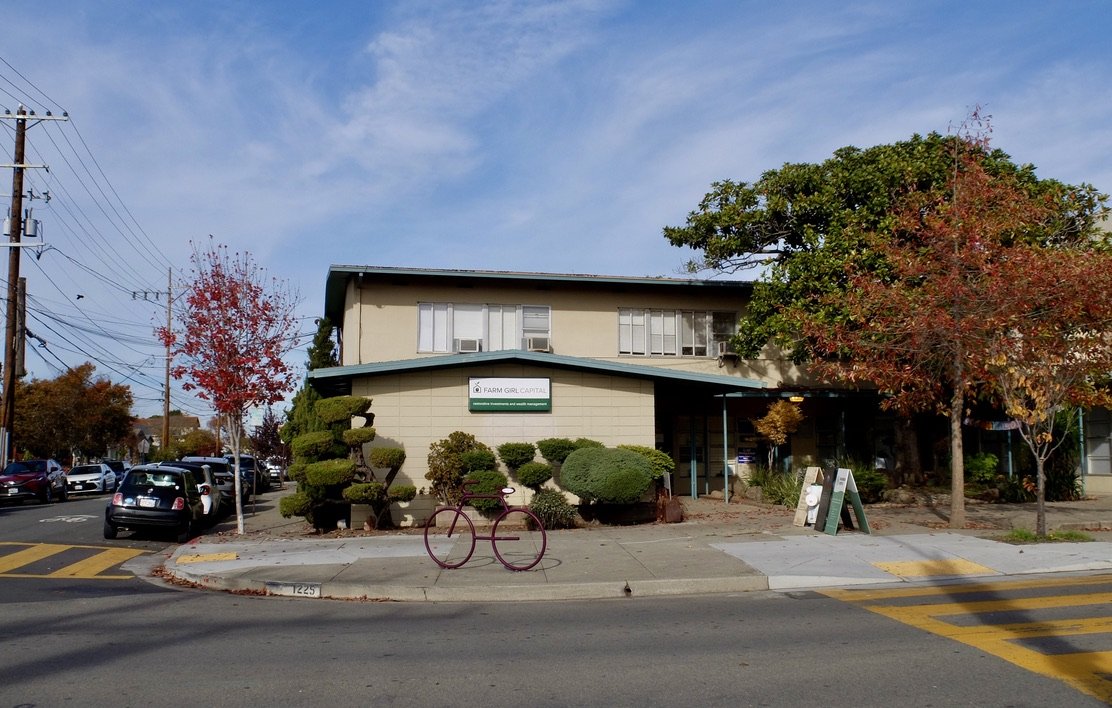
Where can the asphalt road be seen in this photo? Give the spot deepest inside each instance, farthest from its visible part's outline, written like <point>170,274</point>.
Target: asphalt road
<point>112,639</point>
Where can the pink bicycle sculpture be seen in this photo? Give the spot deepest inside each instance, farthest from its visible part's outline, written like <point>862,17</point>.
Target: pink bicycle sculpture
<point>517,535</point>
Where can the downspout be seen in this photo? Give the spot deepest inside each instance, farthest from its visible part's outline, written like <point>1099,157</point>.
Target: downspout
<point>725,454</point>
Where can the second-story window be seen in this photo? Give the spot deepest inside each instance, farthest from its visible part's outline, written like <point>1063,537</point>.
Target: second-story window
<point>469,327</point>
<point>647,332</point>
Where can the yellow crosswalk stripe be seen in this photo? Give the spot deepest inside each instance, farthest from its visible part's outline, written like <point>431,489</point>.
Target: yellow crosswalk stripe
<point>1087,671</point>
<point>93,565</point>
<point>90,567</point>
<point>37,552</point>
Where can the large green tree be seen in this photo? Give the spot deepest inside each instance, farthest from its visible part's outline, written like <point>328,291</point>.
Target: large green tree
<point>77,413</point>
<point>302,417</point>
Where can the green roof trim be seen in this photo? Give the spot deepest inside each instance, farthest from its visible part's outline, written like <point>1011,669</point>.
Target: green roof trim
<point>332,374</point>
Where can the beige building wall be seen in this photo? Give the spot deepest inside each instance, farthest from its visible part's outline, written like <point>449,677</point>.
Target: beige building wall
<point>413,410</point>
<point>381,322</point>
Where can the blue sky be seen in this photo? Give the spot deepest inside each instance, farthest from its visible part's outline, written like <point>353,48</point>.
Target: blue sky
<point>515,135</point>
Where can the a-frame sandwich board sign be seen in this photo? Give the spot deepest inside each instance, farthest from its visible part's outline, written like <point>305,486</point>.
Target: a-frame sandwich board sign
<point>845,488</point>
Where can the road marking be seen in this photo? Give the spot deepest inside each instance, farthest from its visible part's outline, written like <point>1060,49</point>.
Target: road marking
<point>206,557</point>
<point>941,611</point>
<point>90,567</point>
<point>930,568</point>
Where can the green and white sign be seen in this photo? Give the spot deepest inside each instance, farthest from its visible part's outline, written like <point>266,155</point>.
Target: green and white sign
<point>509,394</point>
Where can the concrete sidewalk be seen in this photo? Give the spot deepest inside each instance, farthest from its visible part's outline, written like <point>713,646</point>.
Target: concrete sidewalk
<point>760,550</point>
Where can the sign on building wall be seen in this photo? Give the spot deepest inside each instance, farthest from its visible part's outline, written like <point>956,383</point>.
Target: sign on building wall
<point>509,394</point>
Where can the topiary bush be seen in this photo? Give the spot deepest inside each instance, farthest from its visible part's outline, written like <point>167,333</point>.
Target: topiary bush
<point>330,473</point>
<point>662,463</point>
<point>555,450</point>
<point>534,474</point>
<point>321,445</point>
<point>516,454</point>
<point>486,482</point>
<point>553,509</point>
<point>340,409</point>
<point>353,437</point>
<point>387,457</point>
<point>446,468</point>
<point>607,475</point>
<point>586,442</point>
<point>479,458</point>
<point>296,504</point>
<point>365,493</point>
<point>401,493</point>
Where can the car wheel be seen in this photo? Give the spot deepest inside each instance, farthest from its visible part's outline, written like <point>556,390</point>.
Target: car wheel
<point>64,495</point>
<point>110,531</point>
<point>47,497</point>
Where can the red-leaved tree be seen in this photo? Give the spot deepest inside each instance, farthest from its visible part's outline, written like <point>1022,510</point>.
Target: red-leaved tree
<point>922,322</point>
<point>232,333</point>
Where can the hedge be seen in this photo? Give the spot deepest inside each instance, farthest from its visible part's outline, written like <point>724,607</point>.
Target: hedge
<point>606,475</point>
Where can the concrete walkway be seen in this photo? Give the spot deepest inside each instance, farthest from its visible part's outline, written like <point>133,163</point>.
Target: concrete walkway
<point>760,550</point>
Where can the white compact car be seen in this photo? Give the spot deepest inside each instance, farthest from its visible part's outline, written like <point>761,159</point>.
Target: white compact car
<point>91,479</point>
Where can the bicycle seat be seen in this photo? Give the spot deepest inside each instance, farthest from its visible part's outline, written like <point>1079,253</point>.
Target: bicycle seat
<point>508,490</point>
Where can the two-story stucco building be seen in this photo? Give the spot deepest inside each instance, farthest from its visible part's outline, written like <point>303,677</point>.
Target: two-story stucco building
<point>511,356</point>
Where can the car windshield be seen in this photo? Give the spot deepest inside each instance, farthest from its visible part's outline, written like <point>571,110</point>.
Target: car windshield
<point>137,481</point>
<point>85,469</point>
<point>35,465</point>
<point>16,468</point>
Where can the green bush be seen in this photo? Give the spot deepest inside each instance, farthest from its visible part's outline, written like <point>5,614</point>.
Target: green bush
<point>354,437</point>
<point>780,488</point>
<point>365,493</point>
<point>446,470</point>
<point>516,454</point>
<point>606,475</point>
<point>586,442</point>
<point>296,504</point>
<point>401,492</point>
<point>486,482</point>
<point>534,474</point>
<point>296,472</point>
<point>480,458</point>
<point>662,463</point>
<point>386,457</point>
<point>553,509</point>
<point>982,468</point>
<point>320,445</point>
<point>870,483</point>
<point>329,473</point>
<point>555,450</point>
<point>340,409</point>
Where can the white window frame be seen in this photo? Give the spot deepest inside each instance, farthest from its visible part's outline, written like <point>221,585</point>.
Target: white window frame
<point>685,333</point>
<point>440,325</point>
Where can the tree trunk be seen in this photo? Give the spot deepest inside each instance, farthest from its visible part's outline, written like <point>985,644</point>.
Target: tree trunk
<point>957,460</point>
<point>908,468</point>
<point>235,429</point>
<point>1040,498</point>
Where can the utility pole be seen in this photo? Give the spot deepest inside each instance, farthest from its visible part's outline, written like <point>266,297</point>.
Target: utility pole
<point>16,225</point>
<point>169,293</point>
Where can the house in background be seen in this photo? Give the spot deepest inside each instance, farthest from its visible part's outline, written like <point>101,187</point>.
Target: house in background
<point>151,428</point>
<point>514,356</point>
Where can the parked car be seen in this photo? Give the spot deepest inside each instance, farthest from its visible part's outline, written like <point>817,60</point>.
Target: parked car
<point>206,482</point>
<point>44,480</point>
<point>257,478</point>
<point>156,497</point>
<point>276,473</point>
<point>95,479</point>
<point>225,481</point>
<point>119,467</point>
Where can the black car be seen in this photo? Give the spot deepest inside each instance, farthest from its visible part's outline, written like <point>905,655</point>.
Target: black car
<point>257,478</point>
<point>211,496</point>
<point>225,478</point>
<point>44,480</point>
<point>156,497</point>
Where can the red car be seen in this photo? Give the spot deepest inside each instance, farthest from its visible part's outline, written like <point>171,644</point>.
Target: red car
<point>33,479</point>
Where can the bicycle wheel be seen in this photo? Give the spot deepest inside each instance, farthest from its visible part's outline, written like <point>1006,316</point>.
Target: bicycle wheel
<point>518,539</point>
<point>449,537</point>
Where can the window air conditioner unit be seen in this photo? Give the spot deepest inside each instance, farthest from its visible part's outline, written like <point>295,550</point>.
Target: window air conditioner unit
<point>725,352</point>
<point>467,346</point>
<point>538,344</point>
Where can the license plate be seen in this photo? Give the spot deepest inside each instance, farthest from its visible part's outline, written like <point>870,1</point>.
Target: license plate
<point>148,502</point>
<point>13,490</point>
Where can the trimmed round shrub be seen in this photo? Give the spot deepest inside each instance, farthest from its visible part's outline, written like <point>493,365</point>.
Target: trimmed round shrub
<point>553,509</point>
<point>358,436</point>
<point>296,472</point>
<point>389,457</point>
<point>586,442</point>
<point>555,450</point>
<point>341,408</point>
<point>516,454</point>
<point>662,463</point>
<point>296,504</point>
<point>401,492</point>
<point>487,482</point>
<point>330,473</point>
<point>606,475</point>
<point>445,467</point>
<point>320,445</point>
<point>365,493</point>
<point>534,474</point>
<point>480,458</point>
